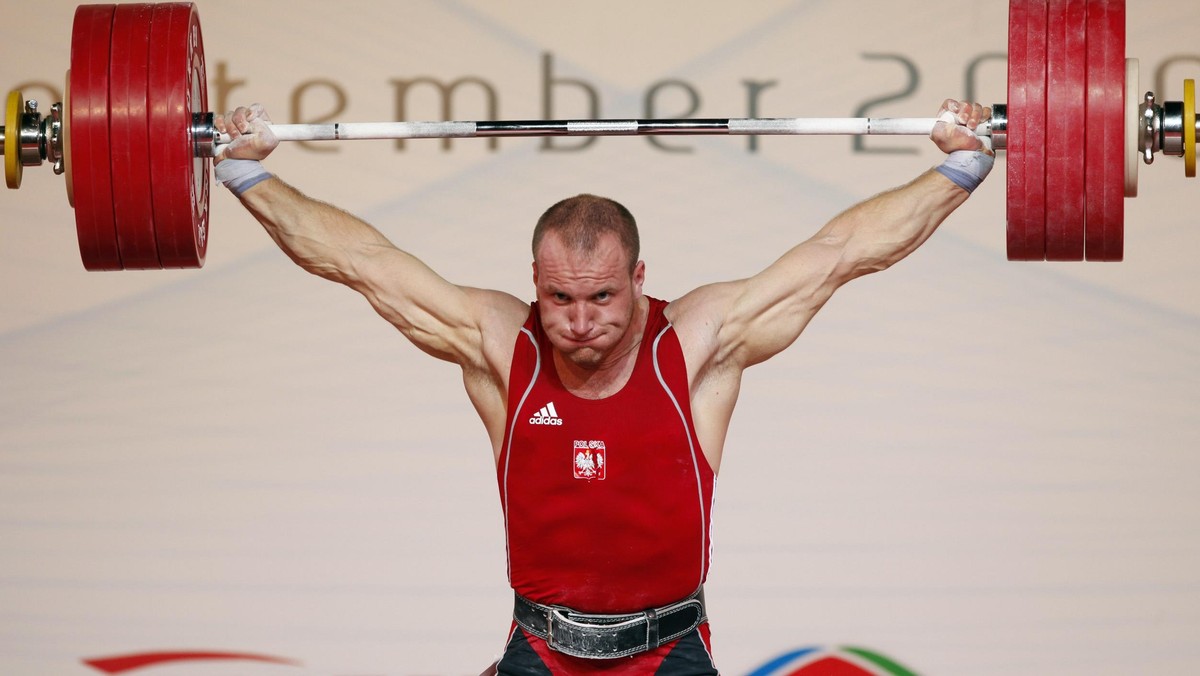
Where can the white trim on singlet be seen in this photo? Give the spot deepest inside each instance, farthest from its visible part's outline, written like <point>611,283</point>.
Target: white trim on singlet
<point>704,534</point>
<point>537,367</point>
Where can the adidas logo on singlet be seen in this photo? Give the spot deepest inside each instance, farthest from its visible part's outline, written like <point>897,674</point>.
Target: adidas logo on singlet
<point>546,416</point>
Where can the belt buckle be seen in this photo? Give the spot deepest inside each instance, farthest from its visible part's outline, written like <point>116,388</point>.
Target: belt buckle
<point>550,628</point>
<point>556,617</point>
<point>588,640</point>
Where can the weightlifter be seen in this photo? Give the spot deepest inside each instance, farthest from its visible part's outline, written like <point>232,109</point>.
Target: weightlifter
<point>557,381</point>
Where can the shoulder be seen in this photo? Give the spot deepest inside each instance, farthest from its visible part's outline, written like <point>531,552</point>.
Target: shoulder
<point>699,318</point>
<point>705,309</point>
<point>497,313</point>
<point>499,303</point>
<point>499,317</point>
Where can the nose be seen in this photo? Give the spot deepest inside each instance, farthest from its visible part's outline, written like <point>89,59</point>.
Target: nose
<point>581,320</point>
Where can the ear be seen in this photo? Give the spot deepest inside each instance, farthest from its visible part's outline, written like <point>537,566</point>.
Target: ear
<point>535,274</point>
<point>639,278</point>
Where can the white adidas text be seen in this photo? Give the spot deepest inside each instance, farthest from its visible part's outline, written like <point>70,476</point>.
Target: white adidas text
<point>546,416</point>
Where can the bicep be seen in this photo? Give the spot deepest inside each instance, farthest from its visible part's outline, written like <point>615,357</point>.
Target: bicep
<point>771,309</point>
<point>733,325</point>
<point>445,320</point>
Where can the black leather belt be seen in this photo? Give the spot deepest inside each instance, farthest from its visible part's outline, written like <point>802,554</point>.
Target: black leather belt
<point>608,636</point>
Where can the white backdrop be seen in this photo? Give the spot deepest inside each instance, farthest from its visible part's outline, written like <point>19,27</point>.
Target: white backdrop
<point>966,464</point>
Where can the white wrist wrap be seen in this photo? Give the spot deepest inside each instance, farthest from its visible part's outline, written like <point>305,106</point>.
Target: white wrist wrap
<point>967,168</point>
<point>240,175</point>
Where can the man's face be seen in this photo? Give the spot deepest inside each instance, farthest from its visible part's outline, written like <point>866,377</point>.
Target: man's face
<point>587,301</point>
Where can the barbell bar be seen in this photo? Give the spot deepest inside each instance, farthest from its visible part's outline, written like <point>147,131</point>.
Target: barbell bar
<point>135,106</point>
<point>635,127</point>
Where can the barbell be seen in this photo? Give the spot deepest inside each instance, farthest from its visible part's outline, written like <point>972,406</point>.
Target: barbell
<point>1074,130</point>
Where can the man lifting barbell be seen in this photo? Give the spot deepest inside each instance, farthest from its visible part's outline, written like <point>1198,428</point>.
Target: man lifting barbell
<point>603,405</point>
<point>550,378</point>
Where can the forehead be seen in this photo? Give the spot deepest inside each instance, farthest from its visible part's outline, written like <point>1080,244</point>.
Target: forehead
<point>560,261</point>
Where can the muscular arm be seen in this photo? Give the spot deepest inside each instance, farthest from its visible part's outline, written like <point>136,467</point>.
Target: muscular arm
<point>435,315</point>
<point>764,314</point>
<point>725,328</point>
<point>473,328</point>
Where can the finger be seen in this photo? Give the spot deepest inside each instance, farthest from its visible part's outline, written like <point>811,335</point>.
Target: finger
<point>967,114</point>
<point>940,130</point>
<point>261,124</point>
<point>257,111</point>
<point>240,118</point>
<point>250,134</point>
<point>970,116</point>
<point>948,108</point>
<point>977,116</point>
<point>949,136</point>
<point>231,125</point>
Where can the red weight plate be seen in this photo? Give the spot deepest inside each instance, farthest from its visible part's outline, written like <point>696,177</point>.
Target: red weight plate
<point>1104,176</point>
<point>180,180</point>
<point>1066,85</point>
<point>1027,130</point>
<point>129,129</point>
<point>91,176</point>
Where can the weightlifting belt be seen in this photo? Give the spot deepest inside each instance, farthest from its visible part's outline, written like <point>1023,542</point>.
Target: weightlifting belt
<point>607,636</point>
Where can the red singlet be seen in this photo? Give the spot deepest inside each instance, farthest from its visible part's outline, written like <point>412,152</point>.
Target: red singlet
<point>606,502</point>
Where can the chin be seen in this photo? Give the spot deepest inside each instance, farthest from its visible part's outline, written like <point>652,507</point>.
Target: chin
<point>586,357</point>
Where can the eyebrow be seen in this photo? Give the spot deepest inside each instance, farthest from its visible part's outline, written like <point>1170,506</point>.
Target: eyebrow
<point>555,290</point>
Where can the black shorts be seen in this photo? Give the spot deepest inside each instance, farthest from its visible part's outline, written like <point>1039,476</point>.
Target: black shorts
<point>528,655</point>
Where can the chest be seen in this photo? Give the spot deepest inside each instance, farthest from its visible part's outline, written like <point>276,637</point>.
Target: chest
<point>639,427</point>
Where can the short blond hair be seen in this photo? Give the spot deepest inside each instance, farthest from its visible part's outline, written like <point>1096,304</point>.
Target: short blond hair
<point>583,219</point>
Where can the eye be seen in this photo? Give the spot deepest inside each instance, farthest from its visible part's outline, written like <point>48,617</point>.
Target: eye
<point>603,295</point>
<point>561,297</point>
